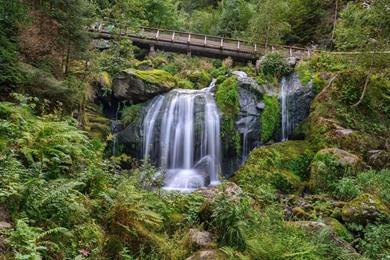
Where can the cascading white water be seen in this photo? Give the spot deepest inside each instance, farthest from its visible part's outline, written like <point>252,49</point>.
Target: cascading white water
<point>285,120</point>
<point>182,135</point>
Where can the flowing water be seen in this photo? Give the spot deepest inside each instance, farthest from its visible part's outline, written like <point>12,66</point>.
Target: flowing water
<point>285,118</point>
<point>182,136</point>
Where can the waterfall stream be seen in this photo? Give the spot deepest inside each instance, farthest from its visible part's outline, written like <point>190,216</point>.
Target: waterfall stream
<point>182,136</point>
<point>285,119</point>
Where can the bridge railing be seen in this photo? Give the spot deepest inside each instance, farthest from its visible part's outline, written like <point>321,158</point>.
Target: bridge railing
<point>209,41</point>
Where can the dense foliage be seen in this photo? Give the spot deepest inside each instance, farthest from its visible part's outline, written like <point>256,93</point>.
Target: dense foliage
<point>65,195</point>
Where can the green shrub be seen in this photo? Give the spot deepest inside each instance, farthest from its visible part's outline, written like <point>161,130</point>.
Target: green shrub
<point>29,242</point>
<point>274,65</point>
<point>229,220</point>
<point>185,84</point>
<point>346,189</point>
<point>376,241</point>
<point>376,182</point>
<point>270,118</point>
<point>130,114</point>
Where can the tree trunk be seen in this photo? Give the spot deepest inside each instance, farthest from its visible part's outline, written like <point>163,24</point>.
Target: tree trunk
<point>334,21</point>
<point>66,70</point>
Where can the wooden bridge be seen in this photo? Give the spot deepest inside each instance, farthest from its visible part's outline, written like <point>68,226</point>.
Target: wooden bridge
<point>198,44</point>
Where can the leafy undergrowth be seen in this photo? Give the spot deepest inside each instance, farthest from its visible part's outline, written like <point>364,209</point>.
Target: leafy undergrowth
<point>66,201</point>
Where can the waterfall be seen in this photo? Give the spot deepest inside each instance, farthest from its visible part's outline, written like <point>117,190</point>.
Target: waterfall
<point>181,134</point>
<point>285,120</point>
<point>295,101</point>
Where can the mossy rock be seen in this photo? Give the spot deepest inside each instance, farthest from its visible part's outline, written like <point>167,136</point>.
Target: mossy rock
<point>137,86</point>
<point>158,77</point>
<point>330,165</point>
<point>280,165</point>
<point>364,209</point>
<point>339,229</point>
<point>96,124</point>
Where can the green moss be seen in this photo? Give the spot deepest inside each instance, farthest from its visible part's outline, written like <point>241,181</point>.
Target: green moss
<point>158,77</point>
<point>96,124</point>
<point>144,64</point>
<point>105,80</point>
<point>270,118</point>
<point>274,165</point>
<point>227,97</point>
<point>339,229</point>
<point>228,102</point>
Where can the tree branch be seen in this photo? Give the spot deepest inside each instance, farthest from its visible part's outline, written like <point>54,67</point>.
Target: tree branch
<point>363,93</point>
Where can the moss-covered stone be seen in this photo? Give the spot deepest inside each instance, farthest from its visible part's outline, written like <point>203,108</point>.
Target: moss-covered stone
<point>137,86</point>
<point>275,165</point>
<point>365,209</point>
<point>228,102</point>
<point>270,118</point>
<point>339,229</point>
<point>330,165</point>
<point>96,124</point>
<point>157,77</point>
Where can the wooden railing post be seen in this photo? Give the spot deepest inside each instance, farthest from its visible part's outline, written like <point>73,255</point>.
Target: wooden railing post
<point>189,38</point>
<point>291,53</point>
<point>205,40</point>
<point>173,36</point>
<point>238,45</point>
<point>157,34</point>
<point>221,45</point>
<point>255,47</point>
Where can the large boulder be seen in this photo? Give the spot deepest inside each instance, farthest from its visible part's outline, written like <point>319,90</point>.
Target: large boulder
<point>136,86</point>
<point>330,165</point>
<point>275,165</point>
<point>198,238</point>
<point>365,209</point>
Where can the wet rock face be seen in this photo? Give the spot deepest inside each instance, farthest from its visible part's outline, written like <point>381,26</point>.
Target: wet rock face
<point>298,101</point>
<point>250,109</point>
<point>130,86</point>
